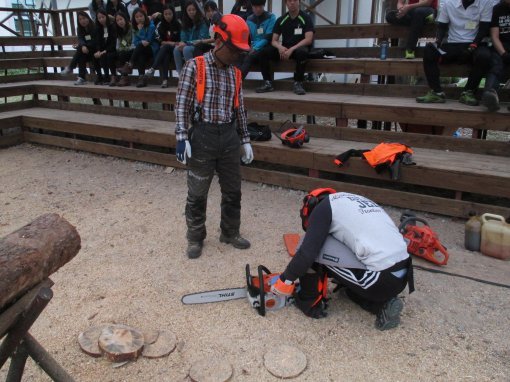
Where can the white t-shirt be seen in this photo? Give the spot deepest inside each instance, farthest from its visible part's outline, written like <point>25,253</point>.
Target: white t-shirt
<point>463,23</point>
<point>367,230</point>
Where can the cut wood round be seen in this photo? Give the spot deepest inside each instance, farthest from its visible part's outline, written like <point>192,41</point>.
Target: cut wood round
<point>164,345</point>
<point>285,361</point>
<point>121,343</point>
<point>150,336</point>
<point>211,370</point>
<point>89,341</point>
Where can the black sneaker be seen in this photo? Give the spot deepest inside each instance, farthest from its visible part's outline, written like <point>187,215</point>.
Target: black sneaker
<point>194,249</point>
<point>267,87</point>
<point>298,88</point>
<point>389,315</point>
<point>236,241</point>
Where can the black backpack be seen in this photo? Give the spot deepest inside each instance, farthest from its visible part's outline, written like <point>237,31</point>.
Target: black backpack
<point>259,132</point>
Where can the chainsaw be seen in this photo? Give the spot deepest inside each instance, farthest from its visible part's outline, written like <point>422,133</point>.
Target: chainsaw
<point>258,293</point>
<point>422,241</point>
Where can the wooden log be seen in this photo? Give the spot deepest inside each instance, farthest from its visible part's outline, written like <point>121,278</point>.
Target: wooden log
<point>33,252</point>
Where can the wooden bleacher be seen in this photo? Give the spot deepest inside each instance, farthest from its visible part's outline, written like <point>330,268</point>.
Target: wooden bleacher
<point>452,176</point>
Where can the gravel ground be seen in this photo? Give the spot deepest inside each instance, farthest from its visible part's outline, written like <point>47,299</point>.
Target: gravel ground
<point>132,270</point>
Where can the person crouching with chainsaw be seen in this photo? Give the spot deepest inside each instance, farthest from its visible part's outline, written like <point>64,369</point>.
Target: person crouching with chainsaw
<point>371,262</point>
<point>210,99</point>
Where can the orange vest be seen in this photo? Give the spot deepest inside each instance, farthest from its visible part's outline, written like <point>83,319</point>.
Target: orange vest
<point>385,152</point>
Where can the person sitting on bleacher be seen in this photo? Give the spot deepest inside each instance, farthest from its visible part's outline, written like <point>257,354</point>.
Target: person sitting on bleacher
<point>114,6</point>
<point>94,6</point>
<point>194,31</point>
<point>261,24</point>
<point>207,44</point>
<point>146,46</point>
<point>467,22</point>
<point>296,29</point>
<point>131,5</point>
<point>242,8</point>
<point>84,49</point>
<point>500,54</point>
<point>168,33</point>
<point>153,8</point>
<point>124,49</point>
<point>415,14</point>
<point>105,38</point>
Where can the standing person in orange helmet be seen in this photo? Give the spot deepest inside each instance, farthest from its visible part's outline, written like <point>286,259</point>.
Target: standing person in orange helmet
<point>209,113</point>
<point>351,239</point>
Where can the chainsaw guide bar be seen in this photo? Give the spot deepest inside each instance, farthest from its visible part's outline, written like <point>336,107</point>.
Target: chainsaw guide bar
<point>214,296</point>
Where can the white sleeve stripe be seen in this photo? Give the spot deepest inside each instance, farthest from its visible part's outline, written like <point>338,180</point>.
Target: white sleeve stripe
<point>368,279</point>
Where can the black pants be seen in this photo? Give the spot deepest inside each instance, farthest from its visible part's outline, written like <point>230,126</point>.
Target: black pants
<point>141,58</point>
<point>213,148</point>
<point>414,19</point>
<point>249,60</point>
<point>201,49</point>
<point>80,60</point>
<point>120,57</point>
<point>270,53</point>
<point>497,67</point>
<point>102,65</point>
<point>163,59</point>
<point>456,53</point>
<point>372,289</point>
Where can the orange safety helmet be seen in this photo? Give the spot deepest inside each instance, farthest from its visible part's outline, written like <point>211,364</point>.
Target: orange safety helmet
<point>310,201</point>
<point>233,30</point>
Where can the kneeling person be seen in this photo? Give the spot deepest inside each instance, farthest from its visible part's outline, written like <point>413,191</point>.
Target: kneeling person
<point>364,228</point>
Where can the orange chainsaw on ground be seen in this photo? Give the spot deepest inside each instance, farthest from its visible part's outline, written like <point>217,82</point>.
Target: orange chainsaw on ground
<point>422,241</point>
<point>258,293</point>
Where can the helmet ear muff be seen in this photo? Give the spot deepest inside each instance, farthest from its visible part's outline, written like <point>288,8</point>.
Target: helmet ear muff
<point>310,201</point>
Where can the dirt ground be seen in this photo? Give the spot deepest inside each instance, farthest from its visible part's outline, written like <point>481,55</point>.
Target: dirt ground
<point>132,270</point>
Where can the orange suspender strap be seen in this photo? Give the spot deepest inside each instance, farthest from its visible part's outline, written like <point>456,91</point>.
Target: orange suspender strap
<point>200,61</point>
<point>239,81</point>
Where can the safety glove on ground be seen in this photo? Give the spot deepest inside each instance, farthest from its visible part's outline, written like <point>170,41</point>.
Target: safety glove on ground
<point>183,151</point>
<point>247,157</point>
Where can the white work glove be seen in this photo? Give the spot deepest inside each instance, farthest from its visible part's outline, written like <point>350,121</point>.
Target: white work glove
<point>183,151</point>
<point>247,158</point>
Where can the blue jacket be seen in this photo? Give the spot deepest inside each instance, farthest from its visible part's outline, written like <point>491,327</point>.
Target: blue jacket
<point>266,22</point>
<point>198,32</point>
<point>147,34</point>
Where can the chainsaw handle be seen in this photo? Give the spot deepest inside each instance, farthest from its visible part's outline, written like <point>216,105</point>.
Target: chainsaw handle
<point>262,308</point>
<point>403,224</point>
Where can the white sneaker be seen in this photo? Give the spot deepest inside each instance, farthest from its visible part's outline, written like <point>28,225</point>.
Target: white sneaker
<point>65,71</point>
<point>80,81</point>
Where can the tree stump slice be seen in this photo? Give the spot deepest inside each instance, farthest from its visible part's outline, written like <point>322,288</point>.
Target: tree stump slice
<point>163,346</point>
<point>211,370</point>
<point>150,337</point>
<point>33,252</point>
<point>285,361</point>
<point>89,341</point>
<point>121,343</point>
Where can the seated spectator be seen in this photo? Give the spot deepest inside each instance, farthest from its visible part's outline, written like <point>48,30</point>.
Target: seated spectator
<point>85,48</point>
<point>105,39</point>
<point>261,24</point>
<point>466,23</point>
<point>194,31</point>
<point>124,49</point>
<point>500,54</point>
<point>154,8</point>
<point>94,6</point>
<point>168,33</point>
<point>210,8</point>
<point>296,29</point>
<point>242,8</point>
<point>114,6</point>
<point>131,5</point>
<point>415,14</point>
<point>145,46</point>
<point>179,6</point>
